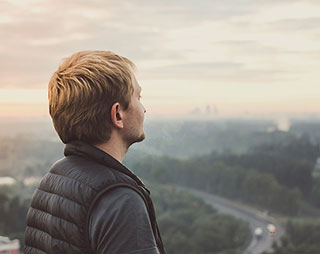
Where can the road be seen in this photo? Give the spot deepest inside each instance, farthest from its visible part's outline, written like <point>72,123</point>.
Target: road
<point>254,217</point>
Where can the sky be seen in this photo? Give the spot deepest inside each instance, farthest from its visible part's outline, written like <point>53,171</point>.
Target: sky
<point>208,58</point>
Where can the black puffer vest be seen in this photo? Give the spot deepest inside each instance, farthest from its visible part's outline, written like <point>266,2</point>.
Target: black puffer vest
<point>58,218</point>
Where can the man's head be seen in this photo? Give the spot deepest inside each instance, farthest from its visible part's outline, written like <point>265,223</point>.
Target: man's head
<point>86,90</point>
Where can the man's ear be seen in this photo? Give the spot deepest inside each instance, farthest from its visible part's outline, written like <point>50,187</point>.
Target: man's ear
<point>116,115</point>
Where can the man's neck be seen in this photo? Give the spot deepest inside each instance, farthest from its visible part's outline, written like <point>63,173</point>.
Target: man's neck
<point>115,148</point>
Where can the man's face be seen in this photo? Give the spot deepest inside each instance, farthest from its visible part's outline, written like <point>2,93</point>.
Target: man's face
<point>134,117</point>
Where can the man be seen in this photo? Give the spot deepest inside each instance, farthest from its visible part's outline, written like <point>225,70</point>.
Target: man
<point>89,202</point>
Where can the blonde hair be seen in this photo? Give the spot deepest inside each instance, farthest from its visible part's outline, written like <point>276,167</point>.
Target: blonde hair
<point>82,91</point>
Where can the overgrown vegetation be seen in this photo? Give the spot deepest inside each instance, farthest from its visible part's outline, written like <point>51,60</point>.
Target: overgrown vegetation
<point>13,212</point>
<point>190,226</point>
<point>301,237</point>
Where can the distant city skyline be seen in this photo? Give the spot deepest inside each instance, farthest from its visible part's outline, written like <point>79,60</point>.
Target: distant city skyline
<point>237,57</point>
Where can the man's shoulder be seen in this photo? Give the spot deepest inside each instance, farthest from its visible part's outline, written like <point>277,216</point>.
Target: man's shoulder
<point>74,162</point>
<point>89,172</point>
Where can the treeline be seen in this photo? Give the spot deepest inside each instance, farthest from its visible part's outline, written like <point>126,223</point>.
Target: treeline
<point>237,183</point>
<point>290,163</point>
<point>301,237</point>
<point>13,212</point>
<point>276,177</point>
<point>187,224</point>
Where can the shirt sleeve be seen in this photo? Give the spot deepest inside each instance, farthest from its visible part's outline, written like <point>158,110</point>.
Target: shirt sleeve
<point>119,223</point>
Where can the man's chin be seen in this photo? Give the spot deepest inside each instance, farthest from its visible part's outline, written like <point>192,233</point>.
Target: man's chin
<point>137,139</point>
<point>141,138</point>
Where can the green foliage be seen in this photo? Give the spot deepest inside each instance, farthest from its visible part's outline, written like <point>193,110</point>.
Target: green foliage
<point>13,212</point>
<point>315,194</point>
<point>251,186</point>
<point>291,163</point>
<point>190,226</point>
<point>301,237</point>
<point>264,191</point>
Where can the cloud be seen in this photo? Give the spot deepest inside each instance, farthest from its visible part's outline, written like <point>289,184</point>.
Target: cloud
<point>297,25</point>
<point>181,36</point>
<point>253,49</point>
<point>216,72</point>
<point>37,36</point>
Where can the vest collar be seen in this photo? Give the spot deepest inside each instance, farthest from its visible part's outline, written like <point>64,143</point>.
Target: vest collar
<point>82,149</point>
